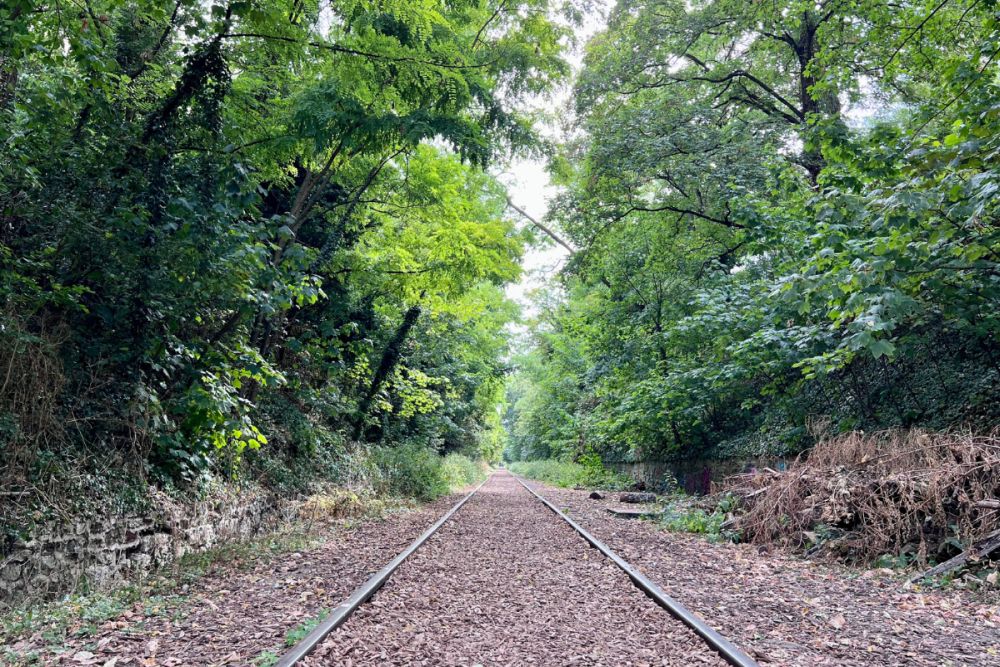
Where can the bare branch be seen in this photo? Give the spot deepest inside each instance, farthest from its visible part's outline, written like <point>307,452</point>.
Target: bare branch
<point>551,234</point>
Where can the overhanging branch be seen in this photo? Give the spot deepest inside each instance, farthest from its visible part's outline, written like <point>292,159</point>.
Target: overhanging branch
<point>551,234</point>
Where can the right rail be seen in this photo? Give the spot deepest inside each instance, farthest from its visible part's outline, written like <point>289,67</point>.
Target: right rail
<point>725,648</point>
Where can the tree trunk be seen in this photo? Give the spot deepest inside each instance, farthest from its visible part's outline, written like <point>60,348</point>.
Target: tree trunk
<point>390,358</point>
<point>813,103</point>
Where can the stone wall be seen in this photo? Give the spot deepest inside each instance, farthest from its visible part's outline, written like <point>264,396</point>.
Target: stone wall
<point>692,476</point>
<point>59,556</point>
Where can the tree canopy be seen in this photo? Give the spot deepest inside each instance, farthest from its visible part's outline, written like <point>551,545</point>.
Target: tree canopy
<point>235,233</point>
<point>787,220</point>
<point>231,225</point>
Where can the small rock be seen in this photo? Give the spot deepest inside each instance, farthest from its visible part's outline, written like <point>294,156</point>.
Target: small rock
<point>594,495</point>
<point>637,498</point>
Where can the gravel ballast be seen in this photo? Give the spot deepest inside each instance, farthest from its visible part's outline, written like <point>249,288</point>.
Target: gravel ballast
<point>239,613</point>
<point>786,610</point>
<point>506,582</point>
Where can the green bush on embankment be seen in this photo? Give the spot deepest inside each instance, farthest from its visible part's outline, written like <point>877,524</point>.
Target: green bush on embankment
<point>589,472</point>
<point>414,471</point>
<point>460,471</point>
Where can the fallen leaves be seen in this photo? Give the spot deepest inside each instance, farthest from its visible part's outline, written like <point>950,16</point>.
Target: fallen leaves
<point>790,611</point>
<point>245,608</point>
<point>511,586</point>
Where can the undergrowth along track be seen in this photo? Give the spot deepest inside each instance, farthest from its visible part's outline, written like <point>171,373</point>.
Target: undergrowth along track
<point>699,630</point>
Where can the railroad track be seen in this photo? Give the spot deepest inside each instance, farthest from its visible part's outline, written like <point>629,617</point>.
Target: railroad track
<point>323,632</point>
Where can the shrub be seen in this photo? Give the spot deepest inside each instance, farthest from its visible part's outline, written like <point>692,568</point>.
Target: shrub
<point>679,515</point>
<point>417,471</point>
<point>410,470</point>
<point>589,473</point>
<point>460,471</point>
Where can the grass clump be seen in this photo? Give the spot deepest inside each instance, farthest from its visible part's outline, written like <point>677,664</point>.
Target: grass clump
<point>80,615</point>
<point>587,472</point>
<point>266,659</point>
<point>300,631</point>
<point>681,515</point>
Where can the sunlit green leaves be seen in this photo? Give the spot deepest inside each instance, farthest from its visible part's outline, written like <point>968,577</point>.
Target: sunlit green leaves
<point>230,205</point>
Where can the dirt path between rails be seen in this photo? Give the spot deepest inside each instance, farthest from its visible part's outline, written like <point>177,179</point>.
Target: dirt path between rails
<point>785,610</point>
<point>239,611</point>
<point>506,582</point>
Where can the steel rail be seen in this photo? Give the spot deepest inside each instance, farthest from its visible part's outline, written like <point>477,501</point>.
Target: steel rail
<point>362,594</point>
<point>725,648</point>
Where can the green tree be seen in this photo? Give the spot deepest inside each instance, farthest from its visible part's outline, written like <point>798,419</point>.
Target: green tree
<point>785,214</point>
<point>214,217</point>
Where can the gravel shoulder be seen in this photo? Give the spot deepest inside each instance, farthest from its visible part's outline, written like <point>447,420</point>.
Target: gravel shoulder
<point>786,610</point>
<point>506,582</point>
<point>239,611</point>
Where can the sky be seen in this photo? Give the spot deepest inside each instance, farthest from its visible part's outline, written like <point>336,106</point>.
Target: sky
<point>530,187</point>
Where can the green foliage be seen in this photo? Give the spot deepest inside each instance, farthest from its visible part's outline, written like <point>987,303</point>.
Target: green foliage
<point>787,219</point>
<point>589,474</point>
<point>215,218</point>
<point>416,471</point>
<point>680,516</point>
<point>459,471</point>
<point>411,470</point>
<point>266,659</point>
<point>895,561</point>
<point>78,615</point>
<point>299,632</point>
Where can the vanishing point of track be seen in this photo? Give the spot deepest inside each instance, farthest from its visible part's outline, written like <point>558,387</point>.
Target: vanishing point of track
<point>568,602</point>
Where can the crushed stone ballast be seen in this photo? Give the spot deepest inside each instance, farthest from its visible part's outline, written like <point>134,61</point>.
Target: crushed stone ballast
<point>725,649</point>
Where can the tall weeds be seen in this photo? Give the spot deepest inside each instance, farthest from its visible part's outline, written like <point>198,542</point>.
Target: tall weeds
<point>31,381</point>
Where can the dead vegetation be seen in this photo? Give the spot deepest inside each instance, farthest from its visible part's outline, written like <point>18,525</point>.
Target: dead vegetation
<point>31,380</point>
<point>923,496</point>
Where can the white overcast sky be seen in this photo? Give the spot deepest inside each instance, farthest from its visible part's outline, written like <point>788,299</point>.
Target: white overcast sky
<point>529,185</point>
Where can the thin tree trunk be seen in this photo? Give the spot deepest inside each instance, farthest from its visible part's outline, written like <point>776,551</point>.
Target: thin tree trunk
<point>390,359</point>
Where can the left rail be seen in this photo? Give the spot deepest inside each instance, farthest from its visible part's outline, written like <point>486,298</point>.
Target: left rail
<point>363,593</point>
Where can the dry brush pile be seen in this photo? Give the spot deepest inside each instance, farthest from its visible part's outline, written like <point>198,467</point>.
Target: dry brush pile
<point>860,496</point>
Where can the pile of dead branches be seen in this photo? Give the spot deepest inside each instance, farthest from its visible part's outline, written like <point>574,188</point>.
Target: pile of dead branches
<point>860,496</point>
